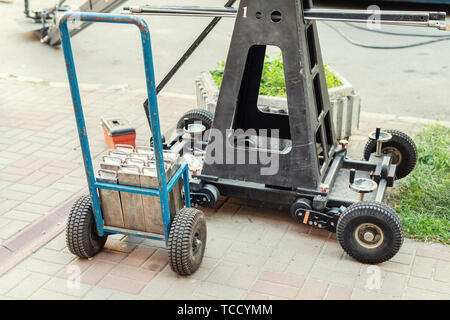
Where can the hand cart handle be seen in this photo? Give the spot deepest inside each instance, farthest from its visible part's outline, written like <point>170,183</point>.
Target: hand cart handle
<point>152,106</point>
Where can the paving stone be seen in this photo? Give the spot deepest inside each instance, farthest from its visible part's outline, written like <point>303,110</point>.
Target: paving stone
<point>12,279</point>
<point>137,257</point>
<point>339,293</point>
<point>39,266</point>
<point>403,258</point>
<point>28,286</point>
<point>21,216</point>
<point>301,264</point>
<point>234,275</point>
<point>54,256</point>
<point>44,294</point>
<point>182,290</point>
<point>436,286</point>
<point>393,284</point>
<point>12,228</point>
<point>395,267</point>
<point>313,290</point>
<point>220,291</point>
<point>336,277</point>
<point>432,253</point>
<point>8,204</point>
<point>96,272</point>
<point>442,272</point>
<point>14,195</point>
<point>111,256</point>
<point>359,294</point>
<point>159,285</point>
<point>133,273</point>
<point>270,288</point>
<point>57,198</point>
<point>96,293</point>
<point>256,296</point>
<point>217,247</point>
<point>42,196</point>
<point>77,266</point>
<point>423,267</point>
<point>282,278</point>
<point>157,261</point>
<point>125,296</point>
<point>25,188</point>
<point>420,294</point>
<point>33,208</point>
<point>121,284</point>
<point>71,287</point>
<point>58,244</point>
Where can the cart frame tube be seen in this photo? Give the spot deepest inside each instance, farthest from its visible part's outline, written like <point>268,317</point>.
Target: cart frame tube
<point>164,188</point>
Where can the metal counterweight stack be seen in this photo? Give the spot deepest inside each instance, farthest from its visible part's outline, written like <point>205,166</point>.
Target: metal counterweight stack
<point>136,167</point>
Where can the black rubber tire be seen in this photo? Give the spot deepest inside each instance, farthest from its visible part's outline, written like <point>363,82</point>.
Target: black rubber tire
<point>213,194</point>
<point>197,115</point>
<point>186,224</point>
<point>404,144</point>
<point>301,203</point>
<point>376,213</point>
<point>163,140</point>
<point>81,232</point>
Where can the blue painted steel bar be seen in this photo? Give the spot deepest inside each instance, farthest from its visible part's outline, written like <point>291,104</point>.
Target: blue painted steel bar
<point>141,234</point>
<point>175,177</point>
<point>187,193</point>
<point>153,111</point>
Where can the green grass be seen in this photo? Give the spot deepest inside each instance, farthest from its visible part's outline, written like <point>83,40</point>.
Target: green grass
<point>423,199</point>
<point>272,81</point>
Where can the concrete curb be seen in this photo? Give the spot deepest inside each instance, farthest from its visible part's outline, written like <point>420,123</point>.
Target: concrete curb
<point>124,87</point>
<point>29,240</point>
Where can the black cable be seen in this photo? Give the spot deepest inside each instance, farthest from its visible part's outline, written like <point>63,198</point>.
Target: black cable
<point>362,45</point>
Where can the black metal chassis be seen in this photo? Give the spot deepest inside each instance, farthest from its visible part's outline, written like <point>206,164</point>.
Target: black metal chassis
<point>327,205</point>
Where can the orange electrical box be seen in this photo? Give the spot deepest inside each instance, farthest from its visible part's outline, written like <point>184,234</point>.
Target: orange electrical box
<point>118,131</point>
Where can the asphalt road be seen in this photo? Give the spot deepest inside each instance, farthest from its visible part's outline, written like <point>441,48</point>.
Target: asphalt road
<point>413,82</point>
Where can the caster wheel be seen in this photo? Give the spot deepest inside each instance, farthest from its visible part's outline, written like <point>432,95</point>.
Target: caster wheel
<point>187,241</point>
<point>212,193</point>
<point>300,204</point>
<point>205,117</point>
<point>370,232</point>
<point>402,148</point>
<point>81,233</point>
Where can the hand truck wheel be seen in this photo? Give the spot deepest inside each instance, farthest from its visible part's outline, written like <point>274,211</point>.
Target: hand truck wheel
<point>81,233</point>
<point>187,241</point>
<point>402,148</point>
<point>370,232</point>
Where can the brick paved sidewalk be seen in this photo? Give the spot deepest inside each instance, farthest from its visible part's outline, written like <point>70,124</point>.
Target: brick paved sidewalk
<point>252,252</point>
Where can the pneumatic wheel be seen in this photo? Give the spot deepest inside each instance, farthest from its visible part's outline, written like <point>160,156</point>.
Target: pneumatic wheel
<point>370,232</point>
<point>81,233</point>
<point>202,116</point>
<point>402,148</point>
<point>187,241</point>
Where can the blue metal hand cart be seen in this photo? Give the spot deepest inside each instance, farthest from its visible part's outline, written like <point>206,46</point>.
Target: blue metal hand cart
<point>86,230</point>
